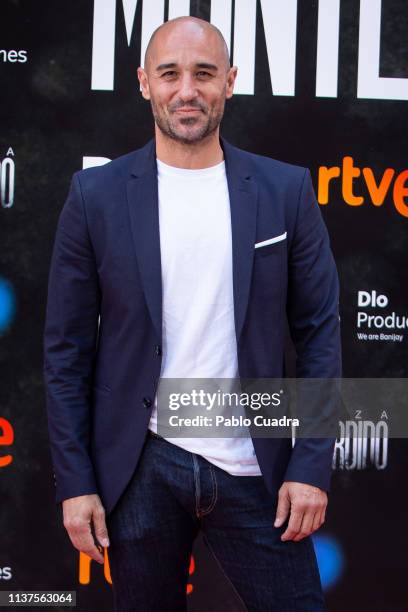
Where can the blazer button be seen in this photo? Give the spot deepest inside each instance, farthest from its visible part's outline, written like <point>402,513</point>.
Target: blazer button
<point>158,350</point>
<point>147,402</point>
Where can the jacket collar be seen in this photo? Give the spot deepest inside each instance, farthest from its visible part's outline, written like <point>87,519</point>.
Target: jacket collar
<point>236,160</point>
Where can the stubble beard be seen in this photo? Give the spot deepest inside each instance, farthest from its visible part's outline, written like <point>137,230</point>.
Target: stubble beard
<point>167,127</point>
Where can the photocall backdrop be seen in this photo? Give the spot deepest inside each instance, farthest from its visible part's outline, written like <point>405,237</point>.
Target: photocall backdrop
<point>321,84</point>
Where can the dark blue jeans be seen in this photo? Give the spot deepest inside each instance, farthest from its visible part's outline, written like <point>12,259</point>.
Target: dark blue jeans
<point>172,495</point>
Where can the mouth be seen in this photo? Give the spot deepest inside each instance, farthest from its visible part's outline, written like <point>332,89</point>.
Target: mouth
<point>188,110</point>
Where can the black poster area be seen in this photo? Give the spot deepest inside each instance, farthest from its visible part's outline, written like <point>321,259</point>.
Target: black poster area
<point>51,119</point>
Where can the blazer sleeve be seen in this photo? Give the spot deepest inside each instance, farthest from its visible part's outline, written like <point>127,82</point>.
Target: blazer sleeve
<point>69,345</point>
<point>314,324</point>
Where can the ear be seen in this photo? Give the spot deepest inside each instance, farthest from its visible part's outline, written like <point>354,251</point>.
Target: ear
<point>144,83</point>
<point>231,76</point>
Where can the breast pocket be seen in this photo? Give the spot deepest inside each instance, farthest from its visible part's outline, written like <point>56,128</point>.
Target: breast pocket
<point>274,244</point>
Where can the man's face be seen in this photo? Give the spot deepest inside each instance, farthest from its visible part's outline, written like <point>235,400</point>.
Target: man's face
<point>187,80</point>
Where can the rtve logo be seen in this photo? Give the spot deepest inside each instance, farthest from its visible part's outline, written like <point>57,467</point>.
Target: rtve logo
<point>366,299</point>
<point>378,188</point>
<point>279,19</point>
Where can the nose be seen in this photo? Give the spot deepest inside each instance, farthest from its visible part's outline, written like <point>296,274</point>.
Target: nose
<point>187,89</point>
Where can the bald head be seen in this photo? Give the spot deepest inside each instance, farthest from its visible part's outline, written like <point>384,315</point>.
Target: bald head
<point>185,29</point>
<point>187,77</point>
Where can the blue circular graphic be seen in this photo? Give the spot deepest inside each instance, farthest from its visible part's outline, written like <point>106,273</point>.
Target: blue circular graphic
<point>7,304</point>
<point>330,559</point>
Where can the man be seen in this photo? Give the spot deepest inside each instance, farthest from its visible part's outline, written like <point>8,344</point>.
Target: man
<point>160,244</point>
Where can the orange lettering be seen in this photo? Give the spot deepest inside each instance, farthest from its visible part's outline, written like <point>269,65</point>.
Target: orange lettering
<point>401,192</point>
<point>325,176</point>
<point>85,568</point>
<point>378,192</point>
<point>5,440</point>
<point>349,173</point>
<point>106,567</point>
<point>191,570</point>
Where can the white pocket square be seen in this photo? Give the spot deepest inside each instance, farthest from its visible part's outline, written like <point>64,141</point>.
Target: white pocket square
<point>270,240</point>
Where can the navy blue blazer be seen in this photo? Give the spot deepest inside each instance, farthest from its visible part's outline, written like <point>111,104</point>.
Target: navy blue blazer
<point>101,375</point>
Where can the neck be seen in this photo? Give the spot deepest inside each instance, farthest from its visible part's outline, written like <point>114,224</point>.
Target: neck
<point>203,154</point>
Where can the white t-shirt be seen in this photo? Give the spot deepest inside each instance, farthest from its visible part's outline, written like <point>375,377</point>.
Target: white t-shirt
<point>198,307</point>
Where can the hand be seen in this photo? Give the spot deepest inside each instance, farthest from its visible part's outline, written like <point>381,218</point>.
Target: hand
<point>78,513</point>
<point>307,505</point>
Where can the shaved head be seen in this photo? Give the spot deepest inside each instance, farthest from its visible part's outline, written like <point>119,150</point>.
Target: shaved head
<point>191,26</point>
<point>187,77</point>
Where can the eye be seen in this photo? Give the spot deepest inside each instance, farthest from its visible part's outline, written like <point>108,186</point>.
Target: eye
<point>203,73</point>
<point>169,73</point>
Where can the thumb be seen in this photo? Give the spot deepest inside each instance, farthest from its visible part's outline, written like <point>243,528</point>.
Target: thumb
<point>101,531</point>
<point>282,510</point>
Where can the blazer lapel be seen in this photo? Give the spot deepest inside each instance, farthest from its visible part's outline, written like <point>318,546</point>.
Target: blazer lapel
<point>142,194</point>
<point>243,194</point>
